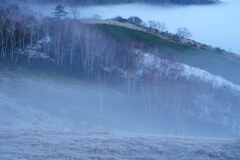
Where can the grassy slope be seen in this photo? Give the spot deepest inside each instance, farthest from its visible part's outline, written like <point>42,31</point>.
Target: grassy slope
<point>33,99</point>
<point>123,33</point>
<point>225,65</point>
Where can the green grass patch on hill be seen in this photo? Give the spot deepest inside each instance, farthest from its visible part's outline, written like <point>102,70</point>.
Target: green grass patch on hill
<point>123,33</point>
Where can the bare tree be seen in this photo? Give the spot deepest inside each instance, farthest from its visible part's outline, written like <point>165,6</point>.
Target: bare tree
<point>183,33</point>
<point>101,88</point>
<point>75,10</point>
<point>59,11</point>
<point>157,25</point>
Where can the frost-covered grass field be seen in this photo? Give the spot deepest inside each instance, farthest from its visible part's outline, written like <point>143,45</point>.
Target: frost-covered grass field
<point>85,145</point>
<point>34,107</point>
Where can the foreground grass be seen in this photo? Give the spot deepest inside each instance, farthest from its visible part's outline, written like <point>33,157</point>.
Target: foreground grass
<point>85,145</point>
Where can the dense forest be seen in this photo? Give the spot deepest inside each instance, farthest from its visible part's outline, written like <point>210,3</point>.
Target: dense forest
<point>62,43</point>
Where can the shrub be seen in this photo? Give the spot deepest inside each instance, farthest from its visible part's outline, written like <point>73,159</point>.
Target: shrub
<point>136,21</point>
<point>96,16</point>
<point>120,19</point>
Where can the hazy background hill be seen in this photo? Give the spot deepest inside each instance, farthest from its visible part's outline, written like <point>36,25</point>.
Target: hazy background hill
<point>94,2</point>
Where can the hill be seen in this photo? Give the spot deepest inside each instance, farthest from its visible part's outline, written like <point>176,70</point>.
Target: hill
<point>176,85</point>
<point>102,2</point>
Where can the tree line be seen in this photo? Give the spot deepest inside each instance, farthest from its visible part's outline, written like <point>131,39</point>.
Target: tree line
<point>161,2</point>
<point>71,45</point>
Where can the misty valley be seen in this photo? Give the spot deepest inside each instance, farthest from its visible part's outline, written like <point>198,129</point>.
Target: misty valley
<point>124,80</point>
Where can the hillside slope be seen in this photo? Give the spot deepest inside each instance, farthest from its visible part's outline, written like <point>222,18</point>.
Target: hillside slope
<point>213,60</point>
<point>177,86</point>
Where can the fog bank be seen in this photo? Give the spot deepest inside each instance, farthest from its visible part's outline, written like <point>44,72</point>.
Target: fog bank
<point>216,25</point>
